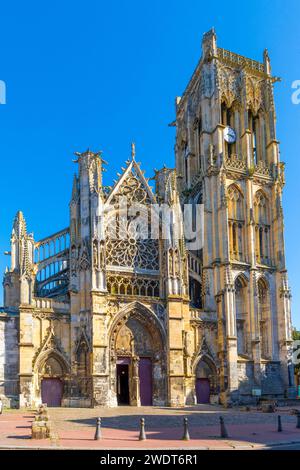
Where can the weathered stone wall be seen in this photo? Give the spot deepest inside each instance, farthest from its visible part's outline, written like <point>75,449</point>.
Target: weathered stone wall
<point>9,361</point>
<point>271,379</point>
<point>245,380</point>
<point>272,384</point>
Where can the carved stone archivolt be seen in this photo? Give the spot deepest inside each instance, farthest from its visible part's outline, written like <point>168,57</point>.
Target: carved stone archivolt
<point>125,342</point>
<point>52,368</point>
<point>144,317</point>
<point>50,345</point>
<point>203,350</point>
<point>161,313</point>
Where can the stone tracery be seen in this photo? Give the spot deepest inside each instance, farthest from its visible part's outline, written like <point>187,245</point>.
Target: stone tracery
<point>126,246</point>
<point>132,285</point>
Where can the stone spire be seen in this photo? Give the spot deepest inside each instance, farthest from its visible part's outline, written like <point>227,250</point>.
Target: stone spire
<point>92,164</point>
<point>209,44</point>
<point>133,150</point>
<point>22,246</point>
<point>18,280</point>
<point>19,226</point>
<point>267,62</point>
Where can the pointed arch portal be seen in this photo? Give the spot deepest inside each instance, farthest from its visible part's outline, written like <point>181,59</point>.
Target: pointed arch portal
<point>52,369</point>
<point>205,379</point>
<point>138,358</point>
<point>51,373</point>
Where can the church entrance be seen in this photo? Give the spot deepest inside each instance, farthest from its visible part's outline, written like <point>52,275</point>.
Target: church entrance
<point>52,391</point>
<point>123,381</point>
<point>205,380</point>
<point>138,360</point>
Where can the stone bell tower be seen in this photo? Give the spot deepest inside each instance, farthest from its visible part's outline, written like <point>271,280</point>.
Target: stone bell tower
<point>228,156</point>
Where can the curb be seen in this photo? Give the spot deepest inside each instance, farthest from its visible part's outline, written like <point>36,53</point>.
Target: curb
<point>229,447</point>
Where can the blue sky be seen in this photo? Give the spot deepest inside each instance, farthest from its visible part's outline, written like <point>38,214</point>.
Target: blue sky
<point>101,74</point>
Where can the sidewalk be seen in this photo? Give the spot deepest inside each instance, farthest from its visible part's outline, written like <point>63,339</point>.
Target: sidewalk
<point>15,432</point>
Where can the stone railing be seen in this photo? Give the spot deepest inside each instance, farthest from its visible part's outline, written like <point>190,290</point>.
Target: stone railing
<point>60,306</point>
<point>195,313</point>
<point>235,162</point>
<point>265,262</point>
<point>194,264</point>
<point>262,169</point>
<point>43,303</point>
<point>51,304</point>
<point>52,245</point>
<point>203,315</point>
<point>240,60</point>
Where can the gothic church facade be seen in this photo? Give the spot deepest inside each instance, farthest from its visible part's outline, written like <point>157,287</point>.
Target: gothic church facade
<point>100,315</point>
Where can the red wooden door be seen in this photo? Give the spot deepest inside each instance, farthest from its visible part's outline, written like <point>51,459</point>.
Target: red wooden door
<point>52,390</point>
<point>145,375</point>
<point>202,390</point>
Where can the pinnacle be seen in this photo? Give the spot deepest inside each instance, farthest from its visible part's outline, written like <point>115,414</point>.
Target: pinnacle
<point>19,226</point>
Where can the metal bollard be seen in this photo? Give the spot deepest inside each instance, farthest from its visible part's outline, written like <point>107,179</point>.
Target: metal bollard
<point>223,429</point>
<point>298,420</point>
<point>279,428</point>
<point>98,434</point>
<point>186,435</point>
<point>142,436</point>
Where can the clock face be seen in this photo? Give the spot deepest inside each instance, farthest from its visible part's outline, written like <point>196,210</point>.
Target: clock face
<point>229,135</point>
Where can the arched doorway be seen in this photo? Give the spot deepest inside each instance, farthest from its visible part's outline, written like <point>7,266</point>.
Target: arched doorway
<point>138,368</point>
<point>205,380</point>
<point>52,391</point>
<point>51,383</point>
<point>51,374</point>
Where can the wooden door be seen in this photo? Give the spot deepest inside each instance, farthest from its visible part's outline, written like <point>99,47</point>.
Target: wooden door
<point>145,376</point>
<point>52,391</point>
<point>202,390</point>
